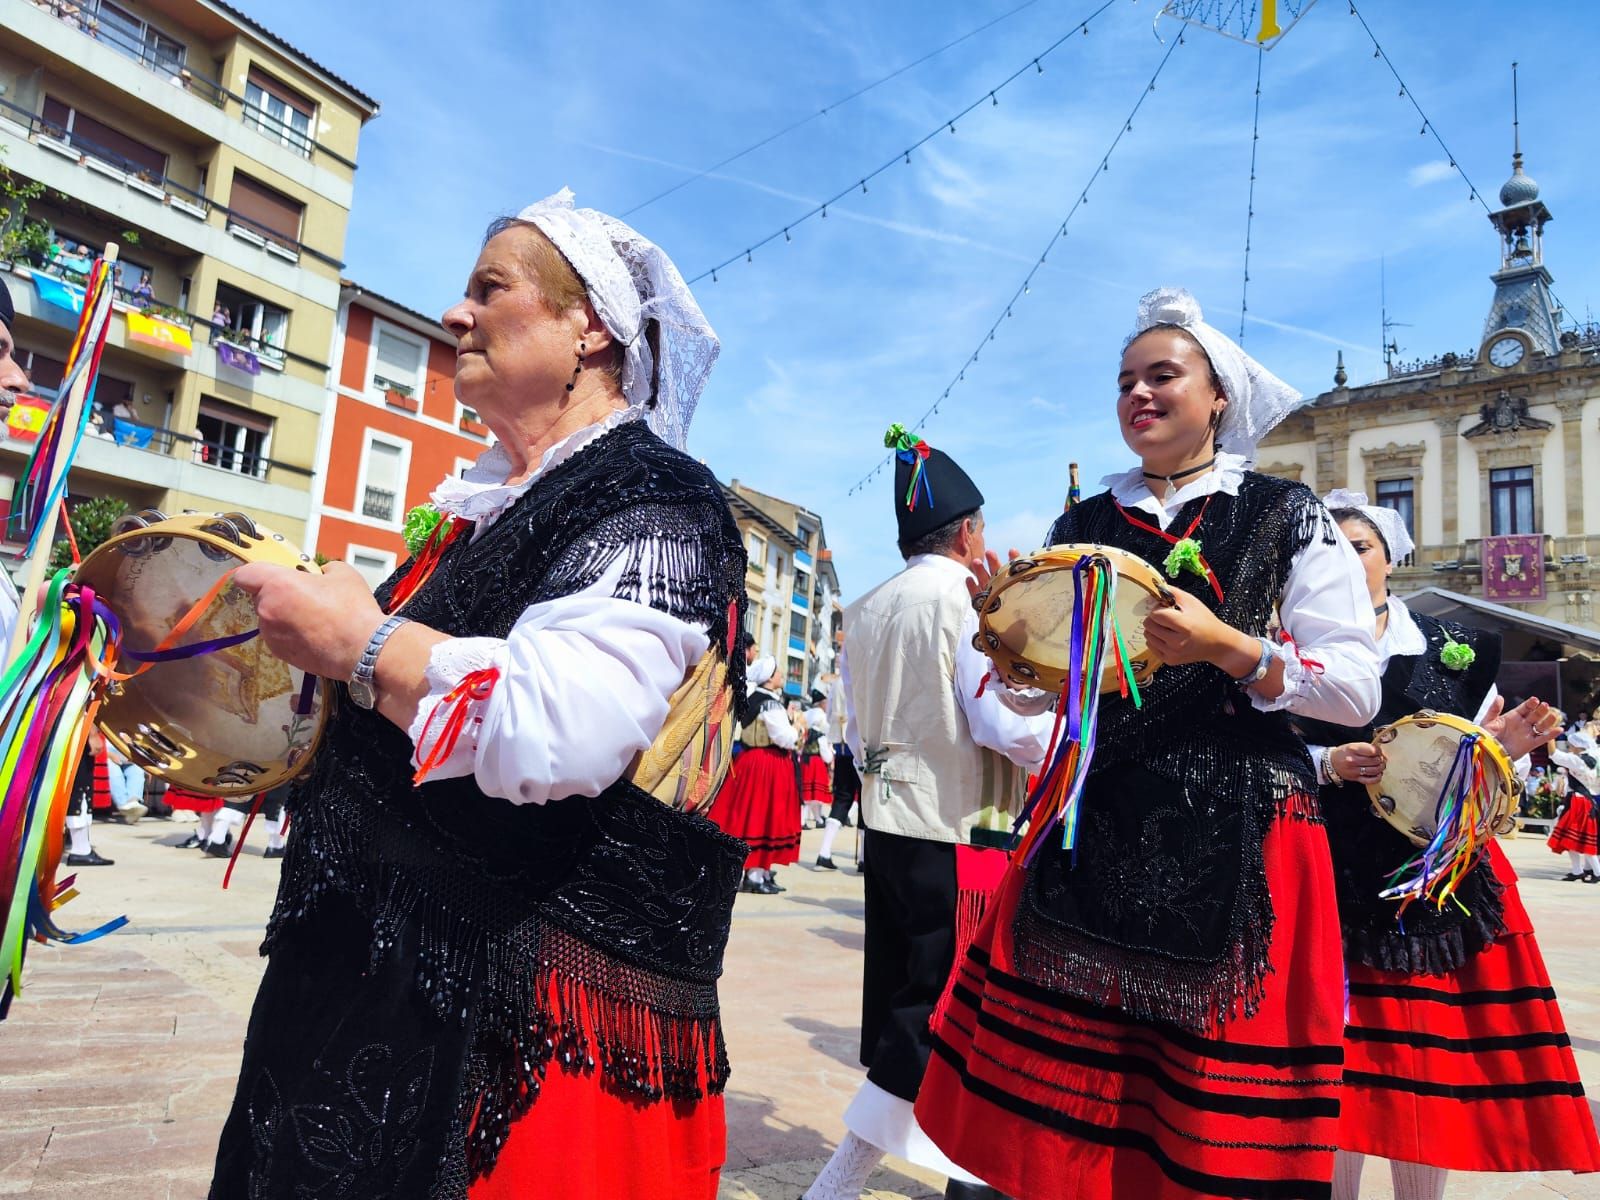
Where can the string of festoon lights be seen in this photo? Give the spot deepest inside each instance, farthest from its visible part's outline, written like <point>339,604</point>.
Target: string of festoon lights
<point>1058,232</point>
<point>1250,202</point>
<point>990,97</point>
<point>831,107</point>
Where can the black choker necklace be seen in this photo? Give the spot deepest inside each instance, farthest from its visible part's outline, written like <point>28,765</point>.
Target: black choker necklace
<point>1173,478</point>
<point>1381,610</point>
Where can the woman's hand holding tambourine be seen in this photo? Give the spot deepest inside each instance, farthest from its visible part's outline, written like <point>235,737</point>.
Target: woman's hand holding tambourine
<point>1529,725</point>
<point>1189,632</point>
<point>318,623</point>
<point>1357,762</point>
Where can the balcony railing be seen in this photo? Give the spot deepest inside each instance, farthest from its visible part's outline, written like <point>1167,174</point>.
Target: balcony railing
<point>152,57</point>
<point>1466,557</point>
<point>158,187</point>
<point>157,439</point>
<point>378,504</point>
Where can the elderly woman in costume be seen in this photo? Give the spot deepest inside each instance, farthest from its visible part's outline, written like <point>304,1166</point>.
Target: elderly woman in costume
<point>1455,1052</point>
<point>1159,1012</point>
<point>494,956</point>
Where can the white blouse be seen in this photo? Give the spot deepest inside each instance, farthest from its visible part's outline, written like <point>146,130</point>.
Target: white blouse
<point>584,680</point>
<point>1324,608</point>
<point>776,718</point>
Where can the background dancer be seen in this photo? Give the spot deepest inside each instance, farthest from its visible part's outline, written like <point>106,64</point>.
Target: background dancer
<point>1456,1056</point>
<point>1577,831</point>
<point>1159,1012</point>
<point>816,762</point>
<point>502,981</point>
<point>937,750</point>
<point>760,805</point>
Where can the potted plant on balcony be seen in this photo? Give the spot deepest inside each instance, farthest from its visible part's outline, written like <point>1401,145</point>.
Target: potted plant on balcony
<point>471,424</point>
<point>397,396</point>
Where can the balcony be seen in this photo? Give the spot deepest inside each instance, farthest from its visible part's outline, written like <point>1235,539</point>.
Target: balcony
<point>378,504</point>
<point>1564,557</point>
<point>166,61</point>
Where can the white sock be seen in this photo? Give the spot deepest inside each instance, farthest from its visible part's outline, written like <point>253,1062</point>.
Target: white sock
<point>1591,862</point>
<point>755,875</point>
<point>845,1176</point>
<point>275,832</point>
<point>831,832</point>
<point>225,822</point>
<point>1347,1174</point>
<point>1415,1181</point>
<point>207,820</point>
<point>78,829</point>
<point>1577,862</point>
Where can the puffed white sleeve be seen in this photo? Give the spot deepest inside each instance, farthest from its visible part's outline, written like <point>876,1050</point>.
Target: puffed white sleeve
<point>1332,670</point>
<point>779,728</point>
<point>562,705</point>
<point>994,724</point>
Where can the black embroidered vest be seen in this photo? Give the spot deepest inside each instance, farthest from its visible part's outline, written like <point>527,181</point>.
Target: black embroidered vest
<point>542,923</point>
<point>1367,850</point>
<point>1164,907</point>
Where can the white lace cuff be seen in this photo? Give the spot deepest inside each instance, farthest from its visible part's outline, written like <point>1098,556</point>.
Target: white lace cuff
<point>449,663</point>
<point>1298,679</point>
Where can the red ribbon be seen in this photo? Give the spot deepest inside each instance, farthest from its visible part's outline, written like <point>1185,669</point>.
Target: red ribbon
<point>422,567</point>
<point>1211,576</point>
<point>1309,664</point>
<point>475,687</point>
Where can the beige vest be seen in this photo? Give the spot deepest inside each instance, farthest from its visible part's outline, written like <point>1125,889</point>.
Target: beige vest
<point>922,775</point>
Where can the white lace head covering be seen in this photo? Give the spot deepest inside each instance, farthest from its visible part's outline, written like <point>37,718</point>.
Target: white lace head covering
<point>1388,521</point>
<point>1257,399</point>
<point>631,282</point>
<point>760,671</point>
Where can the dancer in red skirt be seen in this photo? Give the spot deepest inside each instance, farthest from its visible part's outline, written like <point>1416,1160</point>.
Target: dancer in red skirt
<point>759,805</point>
<point>1578,831</point>
<point>1158,1013</point>
<point>816,763</point>
<point>204,807</point>
<point>1455,1052</point>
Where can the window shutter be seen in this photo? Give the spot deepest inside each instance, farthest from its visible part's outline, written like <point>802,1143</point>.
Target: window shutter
<point>267,210</point>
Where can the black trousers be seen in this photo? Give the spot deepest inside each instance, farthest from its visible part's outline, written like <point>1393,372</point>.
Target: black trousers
<point>910,950</point>
<point>846,783</point>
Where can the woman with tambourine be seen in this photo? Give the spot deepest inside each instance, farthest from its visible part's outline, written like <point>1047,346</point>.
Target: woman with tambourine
<point>1455,1052</point>
<point>1159,1012</point>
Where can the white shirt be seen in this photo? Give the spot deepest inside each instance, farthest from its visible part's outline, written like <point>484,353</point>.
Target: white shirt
<point>1324,607</point>
<point>817,722</point>
<point>1022,738</point>
<point>1403,638</point>
<point>585,679</point>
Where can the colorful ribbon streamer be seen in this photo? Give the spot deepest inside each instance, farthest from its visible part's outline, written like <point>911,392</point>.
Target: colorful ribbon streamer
<point>1436,871</point>
<point>913,450</point>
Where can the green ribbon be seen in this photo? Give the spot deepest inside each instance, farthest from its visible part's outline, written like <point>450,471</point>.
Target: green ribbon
<point>1184,556</point>
<point>419,525</point>
<point>898,437</point>
<point>1458,656</point>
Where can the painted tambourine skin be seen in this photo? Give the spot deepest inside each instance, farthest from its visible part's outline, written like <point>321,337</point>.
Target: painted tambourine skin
<point>1025,616</point>
<point>223,723</point>
<point>1419,751</point>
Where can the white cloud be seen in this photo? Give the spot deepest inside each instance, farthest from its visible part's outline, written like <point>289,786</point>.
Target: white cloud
<point>1436,171</point>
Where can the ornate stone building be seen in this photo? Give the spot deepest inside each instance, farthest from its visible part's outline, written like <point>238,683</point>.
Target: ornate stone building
<point>1485,453</point>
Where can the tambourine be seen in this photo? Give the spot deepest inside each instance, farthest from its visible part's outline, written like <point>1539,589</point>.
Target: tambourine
<point>1421,752</point>
<point>1025,616</point>
<point>233,720</point>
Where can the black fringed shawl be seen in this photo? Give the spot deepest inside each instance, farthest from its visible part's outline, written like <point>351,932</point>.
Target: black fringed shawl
<point>529,919</point>
<point>1165,910</point>
<point>1367,850</point>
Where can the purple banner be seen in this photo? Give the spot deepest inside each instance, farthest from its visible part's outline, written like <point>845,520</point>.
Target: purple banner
<point>1513,567</point>
<point>238,358</point>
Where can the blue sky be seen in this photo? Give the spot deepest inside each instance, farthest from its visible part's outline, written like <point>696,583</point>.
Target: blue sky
<point>865,316</point>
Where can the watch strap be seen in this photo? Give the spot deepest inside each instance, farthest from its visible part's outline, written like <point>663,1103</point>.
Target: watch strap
<point>367,664</point>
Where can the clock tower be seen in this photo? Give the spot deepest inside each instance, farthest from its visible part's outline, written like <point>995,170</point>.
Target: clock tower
<point>1523,318</point>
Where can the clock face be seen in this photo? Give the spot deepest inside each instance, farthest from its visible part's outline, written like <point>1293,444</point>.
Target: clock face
<point>1507,352</point>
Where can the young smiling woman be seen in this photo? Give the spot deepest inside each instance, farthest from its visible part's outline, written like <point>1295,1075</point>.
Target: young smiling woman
<point>1160,1011</point>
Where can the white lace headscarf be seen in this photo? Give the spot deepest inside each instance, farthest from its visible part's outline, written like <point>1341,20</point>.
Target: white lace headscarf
<point>631,282</point>
<point>1389,522</point>
<point>1257,399</point>
<point>763,669</point>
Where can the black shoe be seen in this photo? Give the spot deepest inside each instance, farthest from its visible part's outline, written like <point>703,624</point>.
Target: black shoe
<point>954,1190</point>
<point>272,852</point>
<point>826,862</point>
<point>1589,877</point>
<point>190,842</point>
<point>749,885</point>
<point>772,882</point>
<point>767,888</point>
<point>91,859</point>
<point>1569,878</point>
<point>225,850</point>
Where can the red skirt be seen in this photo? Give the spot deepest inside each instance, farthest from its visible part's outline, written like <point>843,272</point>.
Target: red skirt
<point>1045,1096</point>
<point>1472,1071</point>
<point>815,786</point>
<point>758,806</point>
<point>193,801</point>
<point>1576,829</point>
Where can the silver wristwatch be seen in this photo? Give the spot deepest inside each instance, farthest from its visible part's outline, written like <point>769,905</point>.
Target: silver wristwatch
<point>1263,665</point>
<point>362,689</point>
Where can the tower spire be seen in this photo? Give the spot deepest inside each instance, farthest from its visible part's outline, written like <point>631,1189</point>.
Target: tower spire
<point>1516,124</point>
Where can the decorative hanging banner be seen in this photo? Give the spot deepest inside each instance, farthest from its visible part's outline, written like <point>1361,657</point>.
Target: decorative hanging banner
<point>27,418</point>
<point>1513,567</point>
<point>238,358</point>
<point>163,335</point>
<point>62,295</point>
<point>1256,22</point>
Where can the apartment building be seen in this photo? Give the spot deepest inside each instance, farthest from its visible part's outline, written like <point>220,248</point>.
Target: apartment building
<point>393,431</point>
<point>791,583</point>
<point>222,161</point>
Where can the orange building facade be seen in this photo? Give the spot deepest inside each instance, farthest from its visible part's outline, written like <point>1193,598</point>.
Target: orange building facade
<point>394,430</point>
